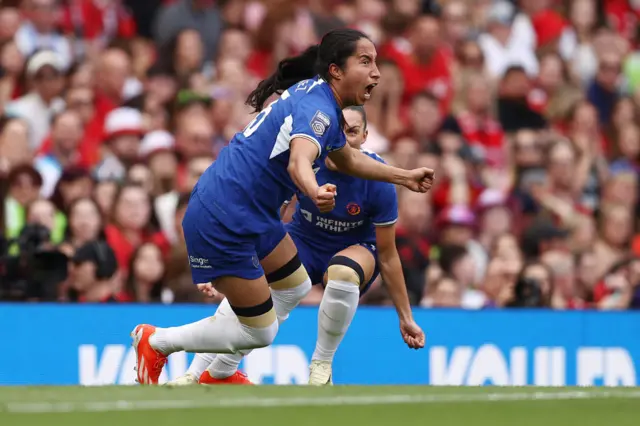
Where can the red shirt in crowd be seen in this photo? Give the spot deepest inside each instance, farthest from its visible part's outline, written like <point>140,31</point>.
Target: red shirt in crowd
<point>86,19</point>
<point>414,249</point>
<point>623,17</point>
<point>548,26</point>
<point>485,133</point>
<point>635,245</point>
<point>104,106</point>
<point>124,249</point>
<point>442,193</point>
<point>259,63</point>
<point>433,76</point>
<point>89,148</point>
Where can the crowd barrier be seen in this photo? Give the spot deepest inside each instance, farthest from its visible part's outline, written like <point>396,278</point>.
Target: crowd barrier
<point>90,345</point>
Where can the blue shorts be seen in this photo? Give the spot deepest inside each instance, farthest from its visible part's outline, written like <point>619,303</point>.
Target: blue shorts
<point>316,260</point>
<point>216,251</point>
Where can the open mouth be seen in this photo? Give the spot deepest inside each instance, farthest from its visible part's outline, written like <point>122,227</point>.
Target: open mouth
<point>368,90</point>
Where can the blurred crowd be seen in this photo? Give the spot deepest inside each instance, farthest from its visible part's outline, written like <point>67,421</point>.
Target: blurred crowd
<point>528,111</point>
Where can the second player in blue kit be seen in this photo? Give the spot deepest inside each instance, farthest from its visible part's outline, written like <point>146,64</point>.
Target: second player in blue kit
<point>344,250</point>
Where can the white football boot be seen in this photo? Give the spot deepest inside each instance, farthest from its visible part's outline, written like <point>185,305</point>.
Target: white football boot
<point>320,373</point>
<point>186,380</point>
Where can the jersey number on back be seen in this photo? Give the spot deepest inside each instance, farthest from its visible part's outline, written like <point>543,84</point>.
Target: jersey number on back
<point>259,119</point>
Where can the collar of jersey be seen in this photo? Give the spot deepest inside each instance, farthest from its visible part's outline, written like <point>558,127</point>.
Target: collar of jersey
<point>326,87</point>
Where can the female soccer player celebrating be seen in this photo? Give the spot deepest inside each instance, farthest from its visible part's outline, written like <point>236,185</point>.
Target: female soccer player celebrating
<point>237,200</point>
<point>345,250</point>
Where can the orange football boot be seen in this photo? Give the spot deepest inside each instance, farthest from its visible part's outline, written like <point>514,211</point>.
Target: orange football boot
<point>236,378</point>
<point>149,362</point>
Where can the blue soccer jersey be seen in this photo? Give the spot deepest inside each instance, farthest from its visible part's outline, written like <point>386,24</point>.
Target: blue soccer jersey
<point>248,182</point>
<point>361,205</point>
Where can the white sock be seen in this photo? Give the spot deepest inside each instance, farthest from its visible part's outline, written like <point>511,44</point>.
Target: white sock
<point>199,364</point>
<point>337,309</point>
<point>284,301</point>
<point>222,333</point>
<point>203,360</point>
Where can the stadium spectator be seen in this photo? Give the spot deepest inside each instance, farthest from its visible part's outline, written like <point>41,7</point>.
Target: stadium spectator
<point>147,270</point>
<point>14,143</point>
<point>93,275</point>
<point>44,70</point>
<point>200,15</point>
<point>66,135</point>
<point>84,224</point>
<point>24,184</point>
<point>527,110</point>
<point>39,30</point>
<point>130,224</point>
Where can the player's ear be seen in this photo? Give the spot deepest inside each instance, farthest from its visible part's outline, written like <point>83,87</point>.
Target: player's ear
<point>335,72</point>
<point>366,134</point>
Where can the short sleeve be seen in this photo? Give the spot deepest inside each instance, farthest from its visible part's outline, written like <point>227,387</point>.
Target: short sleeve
<point>317,124</point>
<point>384,204</point>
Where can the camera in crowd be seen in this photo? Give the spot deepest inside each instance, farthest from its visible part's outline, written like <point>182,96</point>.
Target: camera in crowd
<point>30,267</point>
<point>528,294</point>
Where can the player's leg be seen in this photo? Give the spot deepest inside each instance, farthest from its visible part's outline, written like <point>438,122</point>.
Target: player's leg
<point>201,360</point>
<point>348,272</point>
<point>289,284</point>
<point>254,325</point>
<point>285,291</point>
<point>231,262</point>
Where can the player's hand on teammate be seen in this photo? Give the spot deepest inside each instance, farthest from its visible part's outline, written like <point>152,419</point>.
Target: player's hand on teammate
<point>412,334</point>
<point>325,198</point>
<point>420,179</point>
<point>208,289</point>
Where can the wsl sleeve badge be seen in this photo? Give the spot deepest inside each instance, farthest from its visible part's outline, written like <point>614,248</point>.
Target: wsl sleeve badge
<point>320,123</point>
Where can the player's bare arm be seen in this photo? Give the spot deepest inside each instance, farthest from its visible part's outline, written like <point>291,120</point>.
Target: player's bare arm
<point>287,209</point>
<point>391,271</point>
<point>303,153</point>
<point>353,162</point>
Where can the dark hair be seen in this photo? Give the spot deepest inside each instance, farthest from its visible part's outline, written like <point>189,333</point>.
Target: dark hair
<point>528,292</point>
<point>169,49</point>
<point>449,256</point>
<point>513,69</point>
<point>24,169</point>
<point>100,253</point>
<point>183,201</point>
<point>137,102</point>
<point>69,175</point>
<point>336,46</point>
<point>56,116</point>
<point>359,109</point>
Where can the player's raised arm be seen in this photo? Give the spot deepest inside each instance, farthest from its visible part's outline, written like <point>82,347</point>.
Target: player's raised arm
<point>303,153</point>
<point>353,162</point>
<point>391,271</point>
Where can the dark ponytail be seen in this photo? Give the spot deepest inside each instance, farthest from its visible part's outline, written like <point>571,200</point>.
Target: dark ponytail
<point>290,71</point>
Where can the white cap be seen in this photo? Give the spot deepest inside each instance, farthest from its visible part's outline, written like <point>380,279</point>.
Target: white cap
<point>123,121</point>
<point>44,58</point>
<point>157,140</point>
<point>501,11</point>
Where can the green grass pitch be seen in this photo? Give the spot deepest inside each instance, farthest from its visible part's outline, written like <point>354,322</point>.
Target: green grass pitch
<point>327,406</point>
